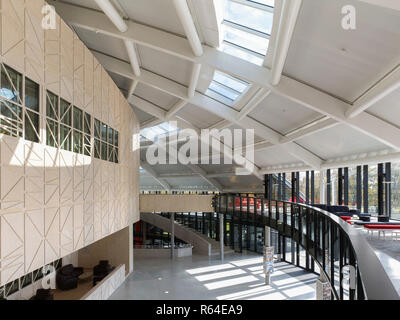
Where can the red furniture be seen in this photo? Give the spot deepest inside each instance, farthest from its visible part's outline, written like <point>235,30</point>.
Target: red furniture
<point>345,218</point>
<point>382,226</point>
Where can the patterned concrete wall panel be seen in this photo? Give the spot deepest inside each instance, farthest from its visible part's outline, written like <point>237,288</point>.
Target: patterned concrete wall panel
<point>52,177</point>
<point>87,179</point>
<point>34,239</point>
<point>34,41</point>
<point>88,223</point>
<point>97,90</point>
<point>78,179</point>
<point>67,62</point>
<point>13,25</point>
<point>66,177</point>
<point>54,201</point>
<point>12,173</point>
<point>105,218</point>
<point>66,230</point>
<point>79,69</point>
<point>104,100</point>
<point>97,222</point>
<point>34,175</point>
<point>52,234</point>
<point>11,246</point>
<point>78,227</point>
<point>88,85</point>
<point>52,58</point>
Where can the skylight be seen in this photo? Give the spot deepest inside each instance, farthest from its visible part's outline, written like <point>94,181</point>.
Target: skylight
<point>225,88</point>
<point>160,131</point>
<point>247,28</point>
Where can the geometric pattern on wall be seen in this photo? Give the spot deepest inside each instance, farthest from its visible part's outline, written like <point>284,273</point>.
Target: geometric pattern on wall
<point>52,201</point>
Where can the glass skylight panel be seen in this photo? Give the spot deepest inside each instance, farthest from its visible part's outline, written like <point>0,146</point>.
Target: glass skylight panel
<point>249,17</point>
<point>160,131</point>
<point>245,55</point>
<point>225,88</point>
<point>246,40</point>
<point>247,27</point>
<point>269,3</point>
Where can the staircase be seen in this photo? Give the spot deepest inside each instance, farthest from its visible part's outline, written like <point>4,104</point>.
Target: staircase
<point>215,245</point>
<point>202,244</point>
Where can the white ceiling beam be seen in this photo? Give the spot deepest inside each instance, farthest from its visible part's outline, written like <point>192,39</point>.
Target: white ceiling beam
<point>336,109</point>
<point>382,89</point>
<point>172,44</point>
<point>107,7</point>
<point>288,18</point>
<point>220,125</point>
<point>211,105</point>
<point>130,48</point>
<point>203,174</point>
<point>309,129</point>
<point>154,174</point>
<point>354,160</point>
<point>194,79</point>
<point>253,103</point>
<point>175,109</point>
<point>186,20</point>
<point>388,4</point>
<point>132,88</point>
<point>147,107</point>
<point>151,123</point>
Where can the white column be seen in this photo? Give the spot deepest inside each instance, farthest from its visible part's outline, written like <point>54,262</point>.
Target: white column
<point>221,234</point>
<point>172,235</point>
<point>267,236</point>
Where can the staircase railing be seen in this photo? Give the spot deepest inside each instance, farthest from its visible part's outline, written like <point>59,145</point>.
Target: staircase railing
<point>343,255</point>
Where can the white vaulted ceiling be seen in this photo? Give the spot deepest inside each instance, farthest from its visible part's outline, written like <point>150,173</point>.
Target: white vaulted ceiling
<point>335,92</point>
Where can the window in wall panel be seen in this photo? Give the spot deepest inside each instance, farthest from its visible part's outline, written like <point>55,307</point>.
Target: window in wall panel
<point>104,130</point>
<point>52,105</point>
<point>32,126</point>
<point>11,287</point>
<point>52,130</point>
<point>104,151</point>
<point>249,17</point>
<point>65,137</point>
<point>66,112</point>
<point>31,95</point>
<point>353,187</point>
<point>78,119</point>
<point>87,145</point>
<point>11,84</point>
<point>116,138</point>
<point>37,274</point>
<point>395,190</point>
<point>87,124</point>
<point>110,154</point>
<point>97,149</point>
<point>97,129</point>
<point>110,135</point>
<point>11,119</point>
<point>116,155</point>
<point>78,142</point>
<point>373,189</point>
<point>26,280</point>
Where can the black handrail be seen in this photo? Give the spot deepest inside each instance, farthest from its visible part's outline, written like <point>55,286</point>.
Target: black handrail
<point>334,244</point>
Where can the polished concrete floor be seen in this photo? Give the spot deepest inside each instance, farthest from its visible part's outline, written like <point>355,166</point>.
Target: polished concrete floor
<point>201,278</point>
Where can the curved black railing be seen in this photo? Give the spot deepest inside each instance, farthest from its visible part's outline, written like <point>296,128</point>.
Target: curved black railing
<point>338,248</point>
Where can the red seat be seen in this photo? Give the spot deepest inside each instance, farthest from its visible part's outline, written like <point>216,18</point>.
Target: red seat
<point>382,226</point>
<point>345,218</point>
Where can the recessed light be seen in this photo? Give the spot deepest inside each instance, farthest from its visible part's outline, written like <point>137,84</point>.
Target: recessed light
<point>166,292</point>
<point>159,278</point>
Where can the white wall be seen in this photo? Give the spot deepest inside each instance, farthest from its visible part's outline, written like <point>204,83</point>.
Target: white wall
<point>54,202</point>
